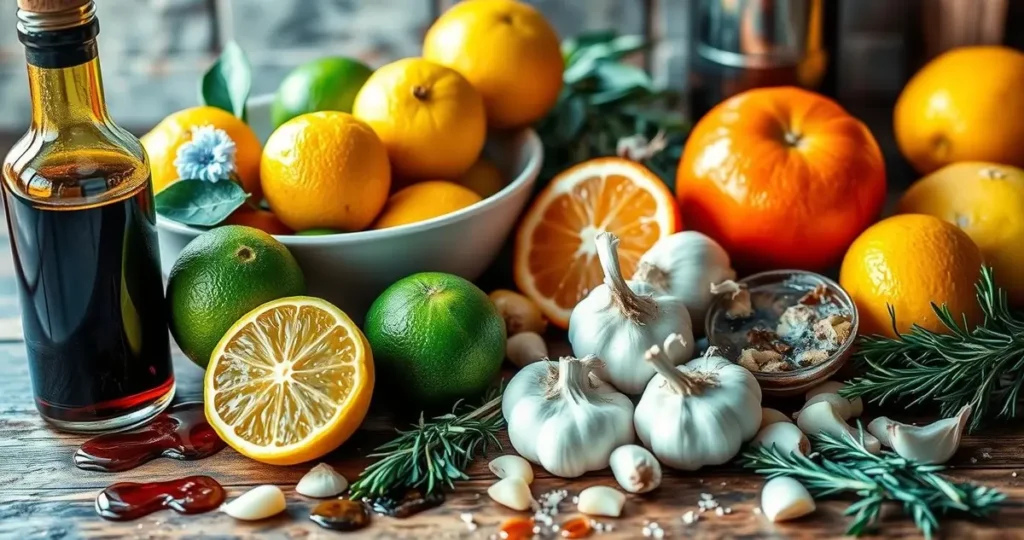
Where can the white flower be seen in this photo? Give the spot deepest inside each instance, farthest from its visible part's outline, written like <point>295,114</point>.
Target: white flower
<point>209,156</point>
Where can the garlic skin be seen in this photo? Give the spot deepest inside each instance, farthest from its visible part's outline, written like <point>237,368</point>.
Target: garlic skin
<point>684,265</point>
<point>258,503</point>
<point>699,413</point>
<point>619,320</point>
<point>771,416</point>
<point>783,498</point>
<point>932,444</point>
<point>563,418</point>
<point>601,501</point>
<point>785,437</point>
<point>823,418</point>
<point>833,387</point>
<point>525,348</point>
<point>635,468</point>
<point>511,466</point>
<point>512,492</point>
<point>321,482</point>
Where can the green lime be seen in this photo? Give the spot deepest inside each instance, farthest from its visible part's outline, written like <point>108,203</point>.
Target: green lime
<point>436,338</point>
<point>221,275</point>
<point>325,84</point>
<point>317,232</point>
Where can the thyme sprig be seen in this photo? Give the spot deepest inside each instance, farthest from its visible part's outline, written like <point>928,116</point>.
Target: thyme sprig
<point>433,454</point>
<point>843,466</point>
<point>981,366</point>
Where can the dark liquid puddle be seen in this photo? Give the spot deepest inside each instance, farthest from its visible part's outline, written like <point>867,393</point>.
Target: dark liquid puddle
<point>181,433</point>
<point>411,503</point>
<point>341,515</point>
<point>190,495</point>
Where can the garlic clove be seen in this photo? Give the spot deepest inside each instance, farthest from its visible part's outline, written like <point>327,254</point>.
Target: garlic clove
<point>519,312</point>
<point>525,348</point>
<point>833,387</point>
<point>321,482</point>
<point>258,503</point>
<point>511,466</point>
<point>934,443</point>
<point>822,418</point>
<point>512,492</point>
<point>783,498</point>
<point>635,468</point>
<point>771,416</point>
<point>601,501</point>
<point>787,438</point>
<point>839,404</point>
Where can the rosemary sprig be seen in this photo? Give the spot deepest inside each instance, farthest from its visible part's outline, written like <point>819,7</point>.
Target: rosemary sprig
<point>843,466</point>
<point>983,366</point>
<point>432,455</point>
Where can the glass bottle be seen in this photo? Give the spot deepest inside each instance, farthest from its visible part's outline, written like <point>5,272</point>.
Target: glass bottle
<point>79,208</point>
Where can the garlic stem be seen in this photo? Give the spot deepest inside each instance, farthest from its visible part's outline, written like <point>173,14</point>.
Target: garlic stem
<point>637,308</point>
<point>570,378</point>
<point>681,382</point>
<point>652,275</point>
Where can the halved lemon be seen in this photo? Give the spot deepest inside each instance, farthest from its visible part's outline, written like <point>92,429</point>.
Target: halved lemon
<point>290,381</point>
<point>555,255</point>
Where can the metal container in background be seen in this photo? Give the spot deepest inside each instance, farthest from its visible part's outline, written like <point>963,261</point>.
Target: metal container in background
<point>743,44</point>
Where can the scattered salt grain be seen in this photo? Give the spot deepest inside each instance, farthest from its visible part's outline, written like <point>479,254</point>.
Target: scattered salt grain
<point>719,511</point>
<point>1014,474</point>
<point>974,460</point>
<point>757,510</point>
<point>467,518</point>
<point>986,455</point>
<point>690,517</point>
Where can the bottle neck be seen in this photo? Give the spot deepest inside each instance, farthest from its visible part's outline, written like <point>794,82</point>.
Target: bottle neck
<point>63,96</point>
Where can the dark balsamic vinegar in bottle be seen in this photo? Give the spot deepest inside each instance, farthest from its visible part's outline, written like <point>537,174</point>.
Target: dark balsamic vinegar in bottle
<point>79,208</point>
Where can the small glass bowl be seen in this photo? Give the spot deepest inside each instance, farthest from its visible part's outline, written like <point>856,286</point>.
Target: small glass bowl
<point>801,379</point>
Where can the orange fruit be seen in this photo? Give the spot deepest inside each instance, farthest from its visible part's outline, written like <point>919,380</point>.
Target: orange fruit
<point>258,218</point>
<point>986,201</point>
<point>162,144</point>
<point>290,381</point>
<point>483,177</point>
<point>781,178</point>
<point>429,117</point>
<point>507,50</point>
<point>423,201</point>
<point>325,170</point>
<point>965,105</point>
<point>556,262</point>
<point>907,262</point>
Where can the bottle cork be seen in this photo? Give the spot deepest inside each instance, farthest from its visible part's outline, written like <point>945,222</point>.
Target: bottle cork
<point>50,6</point>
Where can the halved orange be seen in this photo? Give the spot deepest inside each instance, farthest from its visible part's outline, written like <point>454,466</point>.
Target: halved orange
<point>290,381</point>
<point>555,256</point>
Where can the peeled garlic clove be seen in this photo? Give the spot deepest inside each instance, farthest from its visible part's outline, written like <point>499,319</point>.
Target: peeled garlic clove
<point>526,348</point>
<point>833,387</point>
<point>932,444</point>
<point>321,482</point>
<point>822,418</point>
<point>787,438</point>
<point>258,503</point>
<point>635,468</point>
<point>601,501</point>
<point>784,498</point>
<point>840,404</point>
<point>511,466</point>
<point>771,416</point>
<point>512,492</point>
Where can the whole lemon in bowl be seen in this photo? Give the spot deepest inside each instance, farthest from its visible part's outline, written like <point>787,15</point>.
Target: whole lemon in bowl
<point>908,262</point>
<point>325,170</point>
<point>507,50</point>
<point>965,105</point>
<point>986,201</point>
<point>429,117</point>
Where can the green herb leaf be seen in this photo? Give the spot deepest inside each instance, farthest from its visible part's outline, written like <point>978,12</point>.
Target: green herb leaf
<point>227,83</point>
<point>572,46</point>
<point>200,203</point>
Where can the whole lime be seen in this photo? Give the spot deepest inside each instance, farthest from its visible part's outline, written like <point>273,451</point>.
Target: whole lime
<point>325,84</point>
<point>436,338</point>
<point>220,276</point>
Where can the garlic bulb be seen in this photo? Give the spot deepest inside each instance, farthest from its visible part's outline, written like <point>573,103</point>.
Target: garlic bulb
<point>685,265</point>
<point>699,413</point>
<point>565,419</point>
<point>619,320</point>
<point>321,481</point>
<point>933,444</point>
<point>635,468</point>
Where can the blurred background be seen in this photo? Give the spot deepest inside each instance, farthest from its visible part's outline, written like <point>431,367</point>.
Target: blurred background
<point>153,51</point>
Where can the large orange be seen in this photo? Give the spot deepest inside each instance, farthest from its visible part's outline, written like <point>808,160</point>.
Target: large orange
<point>325,170</point>
<point>556,261</point>
<point>907,262</point>
<point>423,201</point>
<point>965,105</point>
<point>507,50</point>
<point>162,144</point>
<point>781,177</point>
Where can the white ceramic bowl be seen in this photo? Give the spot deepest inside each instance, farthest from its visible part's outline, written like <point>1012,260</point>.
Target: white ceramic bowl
<point>351,269</point>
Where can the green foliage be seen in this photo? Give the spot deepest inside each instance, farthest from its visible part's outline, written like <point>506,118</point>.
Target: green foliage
<point>226,85</point>
<point>198,202</point>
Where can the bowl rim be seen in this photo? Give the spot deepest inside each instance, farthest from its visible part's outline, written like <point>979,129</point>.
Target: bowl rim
<point>531,144</point>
